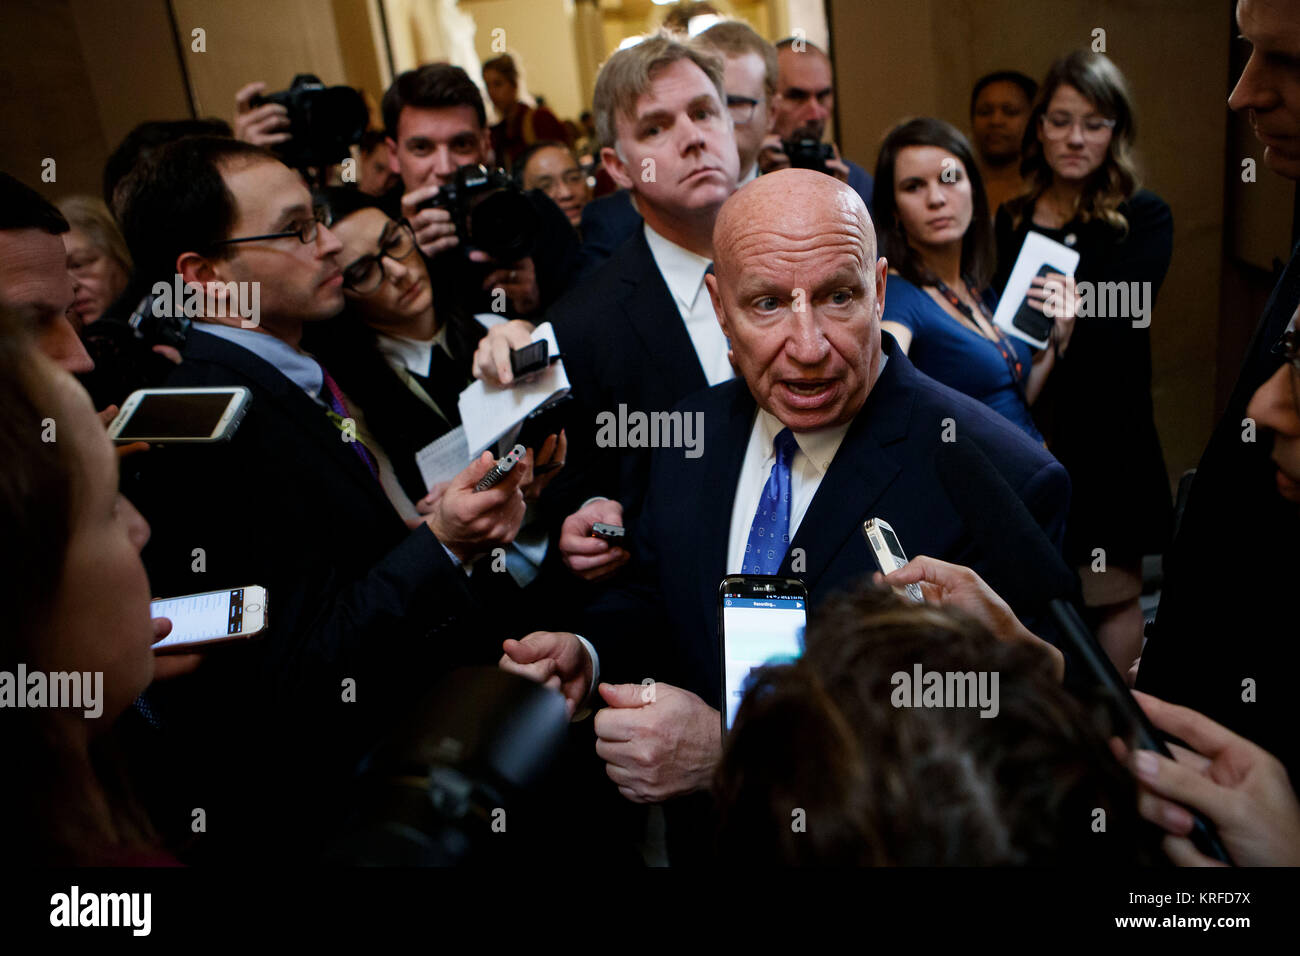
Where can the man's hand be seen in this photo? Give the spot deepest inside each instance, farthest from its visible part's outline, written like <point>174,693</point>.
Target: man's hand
<point>1240,787</point>
<point>592,559</point>
<point>435,232</point>
<point>771,156</point>
<point>106,418</point>
<point>167,666</point>
<point>836,166</point>
<point>518,280</point>
<point>492,357</point>
<point>556,659</point>
<point>548,463</point>
<point>952,584</point>
<point>471,522</point>
<point>263,125</point>
<point>657,741</point>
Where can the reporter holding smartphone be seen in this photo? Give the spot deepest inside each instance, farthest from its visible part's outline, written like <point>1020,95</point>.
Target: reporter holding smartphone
<point>301,500</point>
<point>1096,410</point>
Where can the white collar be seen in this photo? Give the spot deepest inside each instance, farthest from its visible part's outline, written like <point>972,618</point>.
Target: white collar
<point>415,355</point>
<point>683,270</point>
<point>819,446</point>
<point>748,177</point>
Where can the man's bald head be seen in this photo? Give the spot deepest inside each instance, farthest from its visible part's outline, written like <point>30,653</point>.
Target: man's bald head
<point>798,289</point>
<point>800,204</point>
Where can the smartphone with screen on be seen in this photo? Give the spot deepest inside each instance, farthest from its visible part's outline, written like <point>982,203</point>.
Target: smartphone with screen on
<point>214,617</point>
<point>166,415</point>
<point>888,552</point>
<point>761,620</point>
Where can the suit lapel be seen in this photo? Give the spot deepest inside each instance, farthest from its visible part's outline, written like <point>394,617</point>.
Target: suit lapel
<point>653,314</point>
<point>307,416</point>
<point>861,471</point>
<point>723,459</point>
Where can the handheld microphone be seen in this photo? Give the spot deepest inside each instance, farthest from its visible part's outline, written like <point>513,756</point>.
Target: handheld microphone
<point>1012,542</point>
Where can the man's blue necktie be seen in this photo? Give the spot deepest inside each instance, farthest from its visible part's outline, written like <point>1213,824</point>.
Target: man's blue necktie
<point>769,535</point>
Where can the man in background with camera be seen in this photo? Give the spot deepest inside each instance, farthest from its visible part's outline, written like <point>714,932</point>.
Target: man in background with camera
<point>805,100</point>
<point>436,124</point>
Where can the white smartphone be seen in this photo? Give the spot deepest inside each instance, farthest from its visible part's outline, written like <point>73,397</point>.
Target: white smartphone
<point>761,620</point>
<point>888,552</point>
<point>209,618</point>
<point>180,414</point>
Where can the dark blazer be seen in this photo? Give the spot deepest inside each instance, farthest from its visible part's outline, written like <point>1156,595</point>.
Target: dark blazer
<point>351,594</point>
<point>664,622</point>
<point>1222,623</point>
<point>624,343</point>
<point>607,223</point>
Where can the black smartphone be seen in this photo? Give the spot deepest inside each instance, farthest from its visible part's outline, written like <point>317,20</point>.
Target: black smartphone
<point>529,359</point>
<point>1030,319</point>
<point>761,621</point>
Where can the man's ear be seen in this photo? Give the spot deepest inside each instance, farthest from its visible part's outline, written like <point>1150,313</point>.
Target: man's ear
<point>882,273</point>
<point>393,165</point>
<point>715,295</point>
<point>194,268</point>
<point>616,168</point>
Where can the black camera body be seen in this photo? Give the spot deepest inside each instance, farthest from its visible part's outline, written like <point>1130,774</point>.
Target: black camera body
<point>490,211</point>
<point>808,153</point>
<point>324,121</point>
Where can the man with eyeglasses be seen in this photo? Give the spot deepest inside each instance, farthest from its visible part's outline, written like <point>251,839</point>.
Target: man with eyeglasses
<point>805,100</point>
<point>301,500</point>
<point>1225,638</point>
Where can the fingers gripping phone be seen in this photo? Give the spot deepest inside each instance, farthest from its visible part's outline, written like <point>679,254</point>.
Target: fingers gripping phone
<point>761,620</point>
<point>199,620</point>
<point>888,552</point>
<point>165,415</point>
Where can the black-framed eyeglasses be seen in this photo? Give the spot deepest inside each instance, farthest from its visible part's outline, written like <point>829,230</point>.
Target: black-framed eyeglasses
<point>366,274</point>
<point>305,231</point>
<point>741,108</point>
<point>1288,346</point>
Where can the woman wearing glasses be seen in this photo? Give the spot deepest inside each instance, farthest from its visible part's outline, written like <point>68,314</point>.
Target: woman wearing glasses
<point>404,360</point>
<point>1096,409</point>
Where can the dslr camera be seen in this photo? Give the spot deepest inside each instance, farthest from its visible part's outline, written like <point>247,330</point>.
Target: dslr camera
<point>490,211</point>
<point>323,121</point>
<point>808,153</point>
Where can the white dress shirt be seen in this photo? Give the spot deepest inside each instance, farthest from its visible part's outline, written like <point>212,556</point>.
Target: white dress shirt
<point>811,461</point>
<point>414,355</point>
<point>683,273</point>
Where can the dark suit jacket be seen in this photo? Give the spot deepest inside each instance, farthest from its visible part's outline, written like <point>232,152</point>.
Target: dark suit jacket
<point>664,622</point>
<point>607,223</point>
<point>351,594</point>
<point>624,343</point>
<point>1219,624</point>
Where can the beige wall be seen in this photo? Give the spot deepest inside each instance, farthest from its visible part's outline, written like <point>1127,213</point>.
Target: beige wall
<point>541,35</point>
<point>900,58</point>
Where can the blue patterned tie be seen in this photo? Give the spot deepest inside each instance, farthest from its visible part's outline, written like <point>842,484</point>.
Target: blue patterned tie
<point>769,535</point>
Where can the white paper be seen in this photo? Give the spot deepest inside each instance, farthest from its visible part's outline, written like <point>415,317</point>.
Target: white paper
<point>1036,252</point>
<point>444,458</point>
<point>489,412</point>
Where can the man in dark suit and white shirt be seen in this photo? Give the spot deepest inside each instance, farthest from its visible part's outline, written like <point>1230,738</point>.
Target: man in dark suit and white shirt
<point>354,593</point>
<point>828,426</point>
<point>640,334</point>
